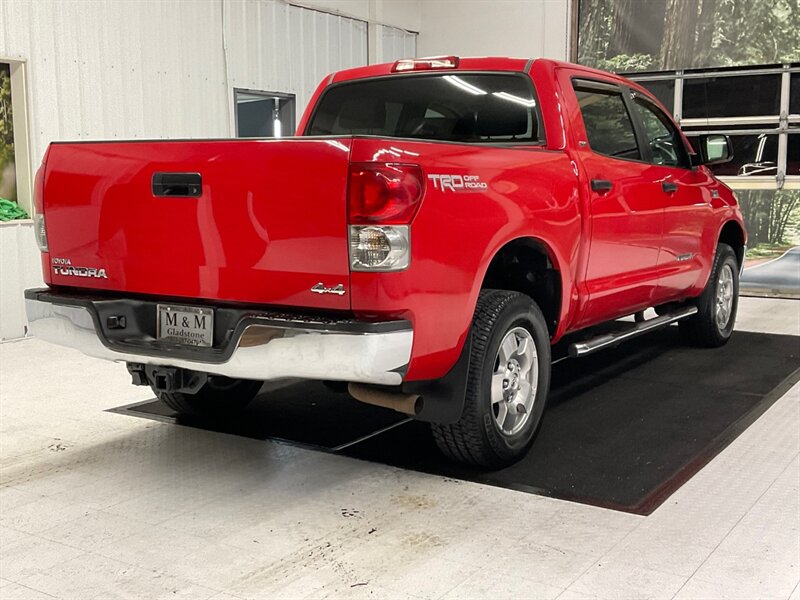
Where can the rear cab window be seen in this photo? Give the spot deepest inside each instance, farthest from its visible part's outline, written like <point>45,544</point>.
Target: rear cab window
<point>457,107</point>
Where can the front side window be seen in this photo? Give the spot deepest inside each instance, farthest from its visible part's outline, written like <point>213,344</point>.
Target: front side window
<point>607,122</point>
<point>663,139</point>
<point>457,107</point>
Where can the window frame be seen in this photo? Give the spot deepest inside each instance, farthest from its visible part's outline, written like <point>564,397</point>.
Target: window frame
<point>540,142</point>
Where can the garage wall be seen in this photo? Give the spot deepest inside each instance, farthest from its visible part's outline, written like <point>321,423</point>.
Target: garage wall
<point>301,48</point>
<point>524,28</point>
<point>19,269</point>
<point>396,43</point>
<point>157,69</point>
<point>105,70</point>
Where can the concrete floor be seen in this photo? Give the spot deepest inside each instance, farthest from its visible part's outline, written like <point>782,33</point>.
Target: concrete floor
<point>100,505</point>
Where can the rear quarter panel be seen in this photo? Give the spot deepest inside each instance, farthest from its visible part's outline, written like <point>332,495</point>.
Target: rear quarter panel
<point>530,192</point>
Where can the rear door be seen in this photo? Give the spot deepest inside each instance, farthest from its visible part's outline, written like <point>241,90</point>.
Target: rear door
<point>626,216</point>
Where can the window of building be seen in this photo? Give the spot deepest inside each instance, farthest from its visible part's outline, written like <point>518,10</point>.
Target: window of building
<point>264,114</point>
<point>731,96</point>
<point>759,107</point>
<point>8,173</point>
<point>663,90</point>
<point>793,156</point>
<point>607,122</point>
<point>15,168</point>
<point>754,155</point>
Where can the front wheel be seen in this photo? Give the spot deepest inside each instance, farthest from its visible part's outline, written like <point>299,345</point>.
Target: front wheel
<point>220,397</point>
<point>712,326</point>
<point>507,383</point>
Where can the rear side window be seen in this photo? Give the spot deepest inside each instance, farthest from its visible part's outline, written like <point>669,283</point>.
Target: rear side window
<point>457,107</point>
<point>607,122</point>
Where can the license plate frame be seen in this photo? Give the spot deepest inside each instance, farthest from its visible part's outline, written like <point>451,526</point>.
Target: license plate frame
<point>185,325</point>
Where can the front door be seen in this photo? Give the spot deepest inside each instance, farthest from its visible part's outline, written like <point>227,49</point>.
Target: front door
<point>686,198</point>
<point>621,273</point>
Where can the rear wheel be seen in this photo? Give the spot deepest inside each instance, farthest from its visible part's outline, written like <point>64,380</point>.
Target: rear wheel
<point>507,383</point>
<point>712,326</point>
<point>220,397</point>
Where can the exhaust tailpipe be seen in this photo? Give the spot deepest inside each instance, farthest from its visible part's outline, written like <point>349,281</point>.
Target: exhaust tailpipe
<point>408,404</point>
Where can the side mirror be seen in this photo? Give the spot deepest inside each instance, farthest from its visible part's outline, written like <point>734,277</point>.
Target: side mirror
<point>714,150</point>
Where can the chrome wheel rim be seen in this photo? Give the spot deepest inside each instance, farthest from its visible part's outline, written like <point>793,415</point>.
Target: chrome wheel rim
<point>514,380</point>
<point>724,298</point>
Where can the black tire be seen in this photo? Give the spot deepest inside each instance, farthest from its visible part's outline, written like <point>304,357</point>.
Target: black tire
<point>704,329</point>
<point>219,398</point>
<point>477,438</point>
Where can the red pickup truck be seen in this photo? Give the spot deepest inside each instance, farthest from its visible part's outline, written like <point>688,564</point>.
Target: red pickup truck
<point>434,227</point>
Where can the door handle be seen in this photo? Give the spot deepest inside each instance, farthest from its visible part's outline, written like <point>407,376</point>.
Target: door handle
<point>669,187</point>
<point>177,185</point>
<point>601,185</point>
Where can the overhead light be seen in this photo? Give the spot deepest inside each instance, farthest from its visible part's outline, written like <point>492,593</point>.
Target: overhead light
<point>276,118</point>
<point>467,87</point>
<point>530,103</point>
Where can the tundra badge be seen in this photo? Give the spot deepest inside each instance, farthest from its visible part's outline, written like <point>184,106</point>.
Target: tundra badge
<point>63,266</point>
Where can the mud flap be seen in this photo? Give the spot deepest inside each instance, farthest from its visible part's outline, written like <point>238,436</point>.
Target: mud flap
<point>443,398</point>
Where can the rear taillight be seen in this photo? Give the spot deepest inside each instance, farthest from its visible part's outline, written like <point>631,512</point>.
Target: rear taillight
<point>379,247</point>
<point>425,64</point>
<point>40,231</point>
<point>384,193</point>
<point>38,204</point>
<point>383,199</point>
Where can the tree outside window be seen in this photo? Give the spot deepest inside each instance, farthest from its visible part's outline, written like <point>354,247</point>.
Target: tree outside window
<point>8,187</point>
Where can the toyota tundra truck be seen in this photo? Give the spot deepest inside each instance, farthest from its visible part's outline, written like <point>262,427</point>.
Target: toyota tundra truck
<point>433,228</point>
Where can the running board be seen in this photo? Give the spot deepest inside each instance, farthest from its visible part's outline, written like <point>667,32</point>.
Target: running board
<point>613,339</point>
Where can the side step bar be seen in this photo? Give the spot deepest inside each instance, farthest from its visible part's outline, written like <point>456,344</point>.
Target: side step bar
<point>608,340</point>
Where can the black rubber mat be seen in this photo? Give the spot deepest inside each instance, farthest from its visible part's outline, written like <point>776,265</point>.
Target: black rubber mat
<point>624,428</point>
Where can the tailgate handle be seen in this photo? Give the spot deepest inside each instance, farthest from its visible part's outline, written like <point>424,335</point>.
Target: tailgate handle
<point>177,185</point>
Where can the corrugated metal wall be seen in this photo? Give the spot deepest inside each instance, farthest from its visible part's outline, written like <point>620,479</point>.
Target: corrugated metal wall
<point>396,43</point>
<point>276,47</point>
<point>19,269</point>
<point>152,69</point>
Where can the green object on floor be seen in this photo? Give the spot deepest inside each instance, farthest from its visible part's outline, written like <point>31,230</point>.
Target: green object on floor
<point>11,211</point>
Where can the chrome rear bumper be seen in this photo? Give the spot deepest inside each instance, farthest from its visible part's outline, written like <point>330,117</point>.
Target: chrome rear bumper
<point>264,346</point>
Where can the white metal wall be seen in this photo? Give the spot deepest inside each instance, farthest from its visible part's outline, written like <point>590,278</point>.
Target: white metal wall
<point>525,28</point>
<point>153,69</point>
<point>277,47</point>
<point>19,269</point>
<point>396,43</point>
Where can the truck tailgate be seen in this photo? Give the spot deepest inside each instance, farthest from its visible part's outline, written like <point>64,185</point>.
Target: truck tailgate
<point>268,223</point>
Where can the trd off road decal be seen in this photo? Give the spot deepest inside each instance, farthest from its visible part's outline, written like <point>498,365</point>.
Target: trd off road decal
<point>457,183</point>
